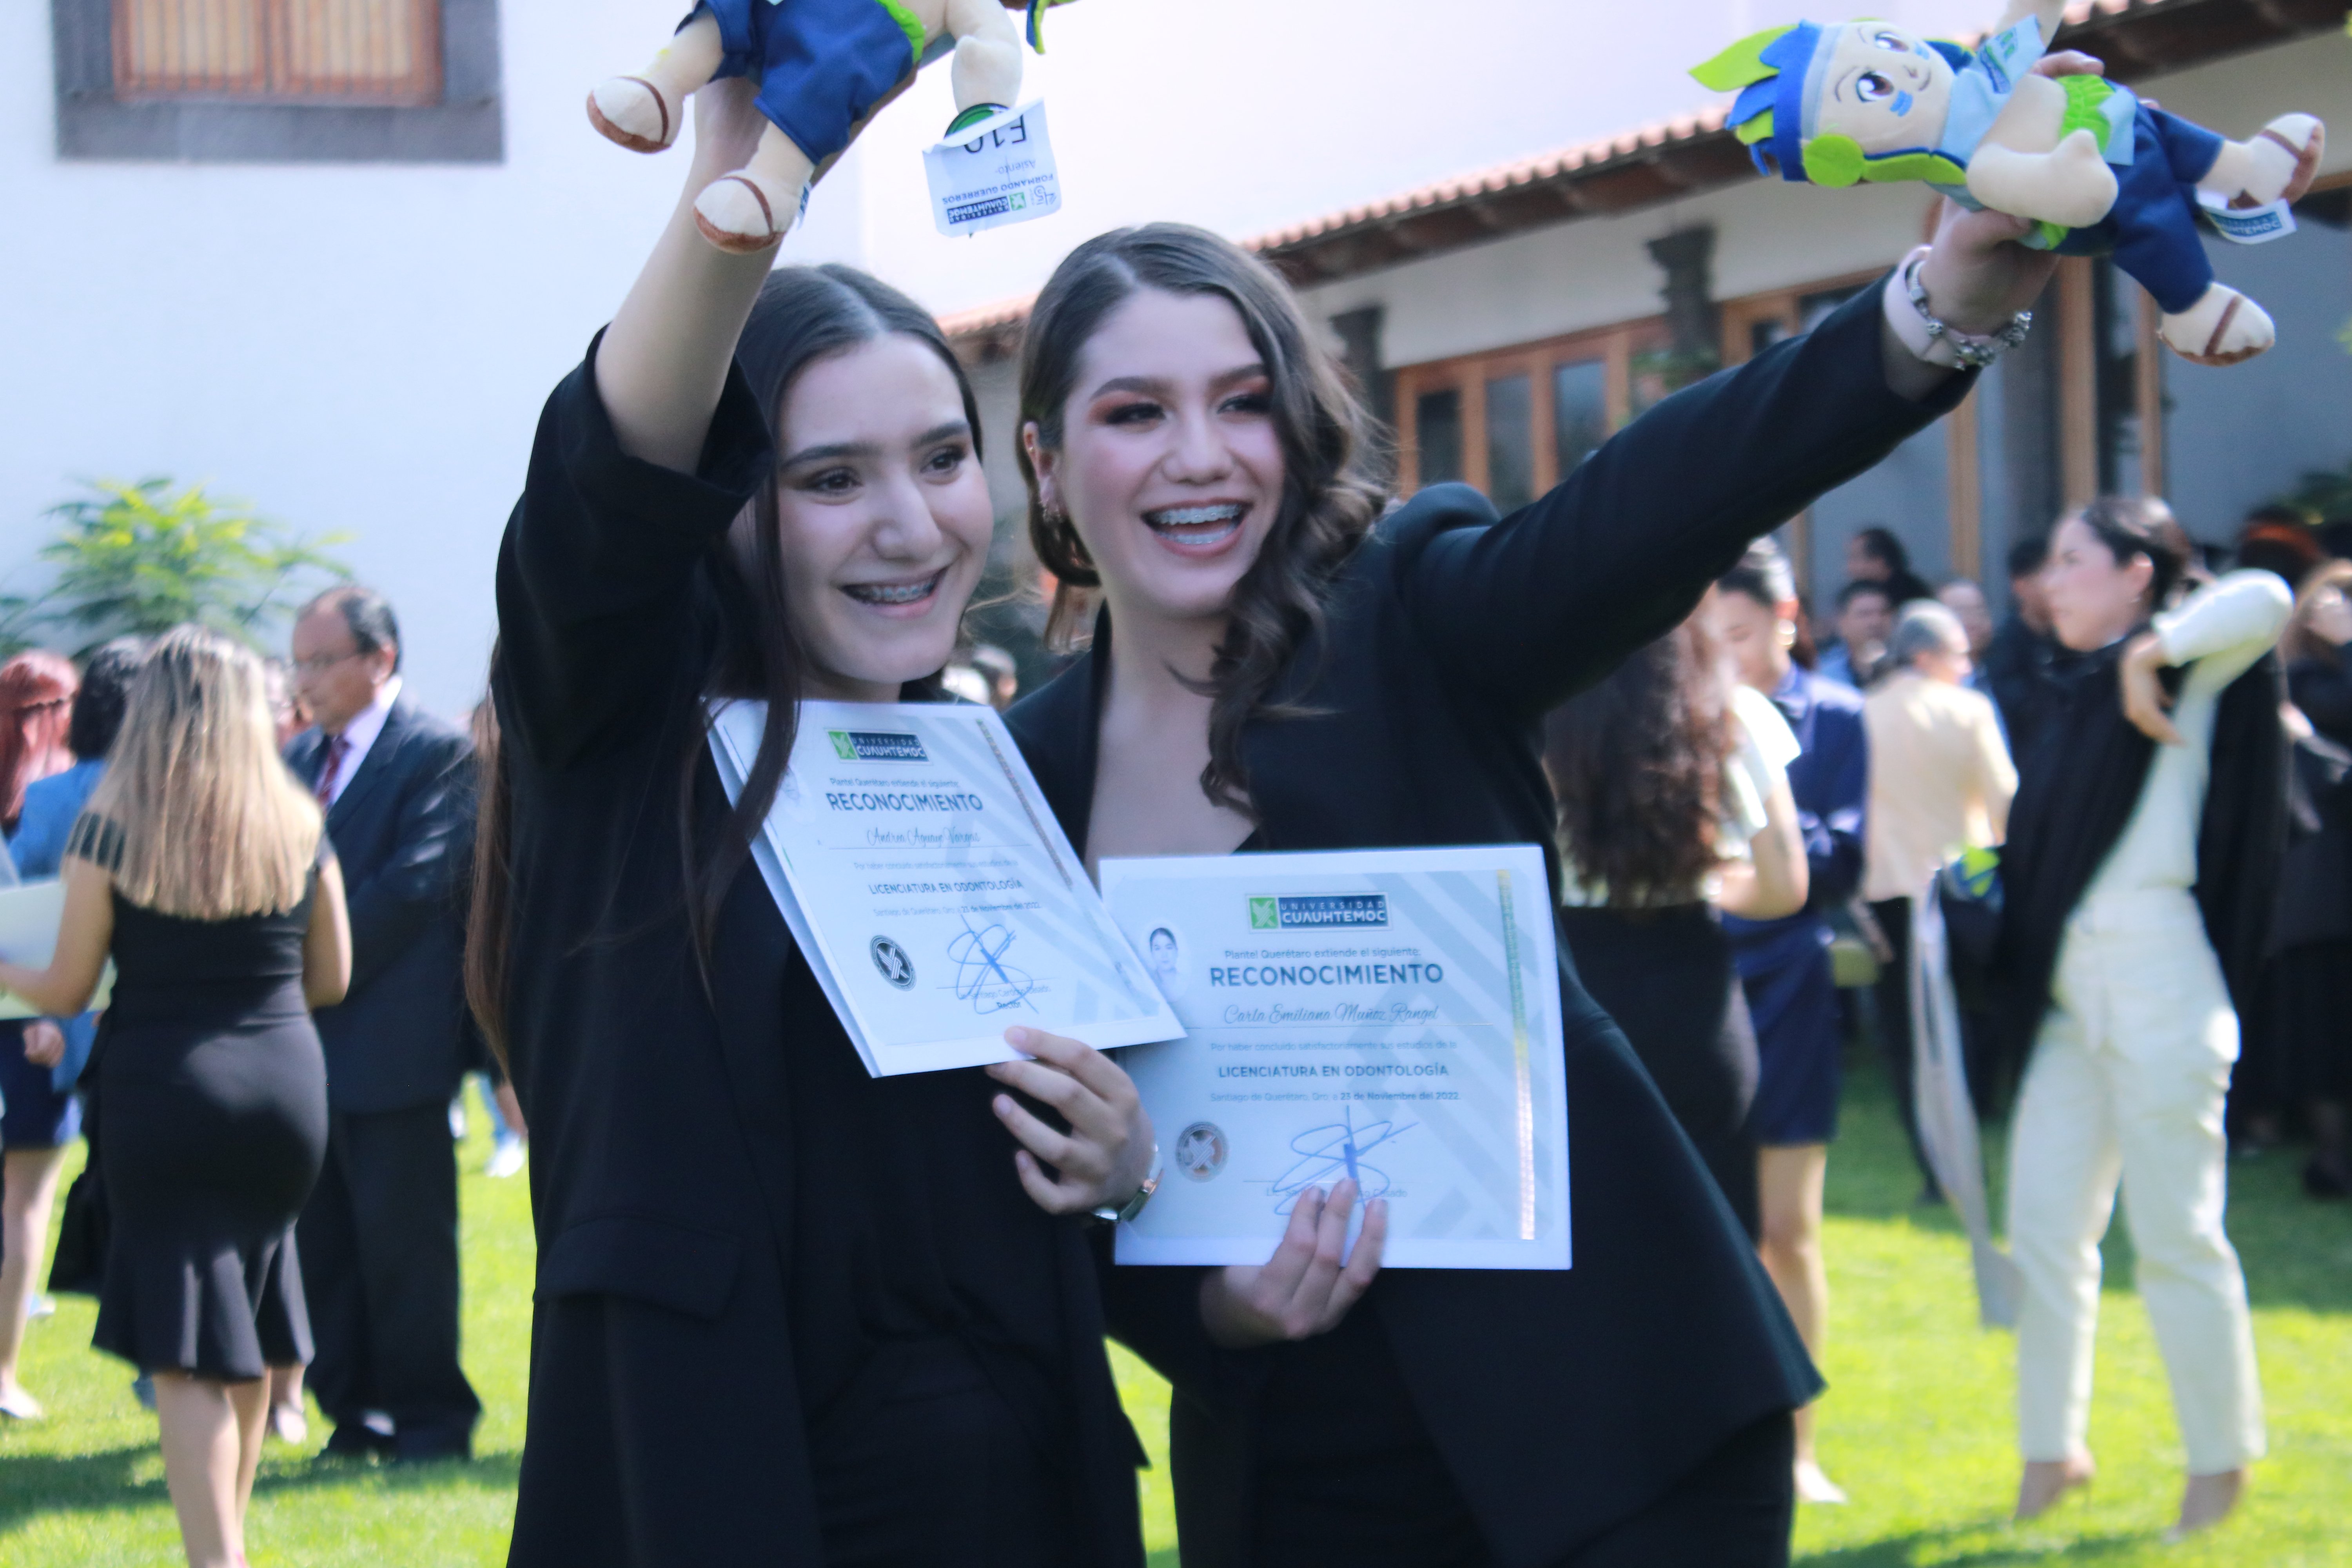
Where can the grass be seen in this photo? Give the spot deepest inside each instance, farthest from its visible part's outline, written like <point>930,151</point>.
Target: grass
<point>1917,1425</point>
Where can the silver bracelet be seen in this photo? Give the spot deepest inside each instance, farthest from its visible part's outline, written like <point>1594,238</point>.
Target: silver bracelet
<point>1940,344</point>
<point>1133,1207</point>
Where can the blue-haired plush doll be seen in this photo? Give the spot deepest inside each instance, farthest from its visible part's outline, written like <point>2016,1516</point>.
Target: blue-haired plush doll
<point>823,66</point>
<point>2096,169</point>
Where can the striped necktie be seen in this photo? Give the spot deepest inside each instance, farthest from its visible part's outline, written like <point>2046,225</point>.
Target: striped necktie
<point>336,749</point>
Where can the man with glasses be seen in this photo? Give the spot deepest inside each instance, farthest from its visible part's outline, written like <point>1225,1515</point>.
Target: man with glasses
<point>379,1238</point>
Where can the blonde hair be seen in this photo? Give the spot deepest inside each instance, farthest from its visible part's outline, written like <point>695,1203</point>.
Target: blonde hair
<point>212,825</point>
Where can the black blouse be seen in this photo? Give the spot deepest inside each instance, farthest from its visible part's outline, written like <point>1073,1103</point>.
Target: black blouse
<point>733,1218</point>
<point>1562,1402</point>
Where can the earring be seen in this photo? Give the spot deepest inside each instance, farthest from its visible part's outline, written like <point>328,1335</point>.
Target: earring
<point>1787,630</point>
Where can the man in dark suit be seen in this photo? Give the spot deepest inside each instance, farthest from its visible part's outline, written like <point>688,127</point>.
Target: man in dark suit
<point>379,1240</point>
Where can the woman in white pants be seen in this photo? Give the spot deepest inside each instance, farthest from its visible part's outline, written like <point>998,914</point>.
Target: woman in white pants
<point>2113,943</point>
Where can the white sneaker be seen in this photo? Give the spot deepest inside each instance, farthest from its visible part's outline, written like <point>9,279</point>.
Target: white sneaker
<point>507,1159</point>
<point>42,1307</point>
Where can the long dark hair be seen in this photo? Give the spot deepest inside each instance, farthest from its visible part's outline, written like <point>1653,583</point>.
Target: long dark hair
<point>1637,763</point>
<point>2124,525</point>
<point>804,314</point>
<point>1331,496</point>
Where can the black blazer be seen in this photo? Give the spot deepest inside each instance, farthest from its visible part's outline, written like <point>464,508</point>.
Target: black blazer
<point>1562,1402</point>
<point>399,830</point>
<point>738,1228</point>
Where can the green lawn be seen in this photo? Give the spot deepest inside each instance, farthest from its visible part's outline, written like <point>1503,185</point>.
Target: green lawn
<point>1917,1428</point>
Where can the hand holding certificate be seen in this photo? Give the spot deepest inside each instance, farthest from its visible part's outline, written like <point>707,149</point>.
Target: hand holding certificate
<point>1387,1018</point>
<point>930,888</point>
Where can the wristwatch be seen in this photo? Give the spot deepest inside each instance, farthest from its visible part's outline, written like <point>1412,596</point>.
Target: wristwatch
<point>1134,1205</point>
<point>1931,340</point>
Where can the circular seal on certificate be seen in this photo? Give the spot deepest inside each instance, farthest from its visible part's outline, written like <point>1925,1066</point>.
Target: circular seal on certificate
<point>892,961</point>
<point>1201,1150</point>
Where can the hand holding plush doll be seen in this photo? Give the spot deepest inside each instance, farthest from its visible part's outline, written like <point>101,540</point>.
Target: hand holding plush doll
<point>823,67</point>
<point>2096,169</point>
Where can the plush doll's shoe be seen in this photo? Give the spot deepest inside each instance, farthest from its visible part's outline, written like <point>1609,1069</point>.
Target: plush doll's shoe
<point>2288,153</point>
<point>736,213</point>
<point>631,110</point>
<point>2222,328</point>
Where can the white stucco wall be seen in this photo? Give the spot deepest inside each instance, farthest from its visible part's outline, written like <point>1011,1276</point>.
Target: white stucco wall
<point>365,348</point>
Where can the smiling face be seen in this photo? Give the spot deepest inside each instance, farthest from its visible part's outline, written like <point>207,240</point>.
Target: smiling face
<point>1171,466</point>
<point>1886,89</point>
<point>883,514</point>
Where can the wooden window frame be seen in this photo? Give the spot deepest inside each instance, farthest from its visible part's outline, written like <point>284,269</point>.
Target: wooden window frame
<point>1613,346</point>
<point>456,118</point>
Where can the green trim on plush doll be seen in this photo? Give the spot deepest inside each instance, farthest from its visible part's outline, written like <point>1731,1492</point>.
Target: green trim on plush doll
<point>2090,166</point>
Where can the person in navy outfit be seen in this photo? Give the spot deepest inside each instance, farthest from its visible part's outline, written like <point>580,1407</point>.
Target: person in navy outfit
<point>1784,965</point>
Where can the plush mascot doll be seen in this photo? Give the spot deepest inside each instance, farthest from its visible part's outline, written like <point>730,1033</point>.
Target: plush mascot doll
<point>2097,170</point>
<point>823,67</point>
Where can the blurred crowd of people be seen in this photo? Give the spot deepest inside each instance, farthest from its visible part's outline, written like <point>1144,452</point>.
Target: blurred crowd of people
<point>270,1090</point>
<point>1749,820</point>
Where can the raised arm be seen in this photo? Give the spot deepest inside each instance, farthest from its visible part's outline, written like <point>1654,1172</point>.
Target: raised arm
<point>2218,633</point>
<point>644,457</point>
<point>664,360</point>
<point>1529,611</point>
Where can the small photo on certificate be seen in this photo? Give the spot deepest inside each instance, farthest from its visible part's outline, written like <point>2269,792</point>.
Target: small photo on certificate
<point>1389,1017</point>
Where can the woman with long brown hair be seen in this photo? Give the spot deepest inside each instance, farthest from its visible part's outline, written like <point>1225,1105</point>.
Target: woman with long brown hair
<point>1268,669</point>
<point>785,1309</point>
<point>200,866</point>
<point>1675,808</point>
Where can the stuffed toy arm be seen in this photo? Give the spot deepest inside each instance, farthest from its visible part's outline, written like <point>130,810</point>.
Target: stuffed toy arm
<point>2025,168</point>
<point>2049,13</point>
<point>987,73</point>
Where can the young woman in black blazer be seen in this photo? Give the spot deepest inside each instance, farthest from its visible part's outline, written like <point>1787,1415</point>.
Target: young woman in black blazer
<point>786,1312</point>
<point>1271,669</point>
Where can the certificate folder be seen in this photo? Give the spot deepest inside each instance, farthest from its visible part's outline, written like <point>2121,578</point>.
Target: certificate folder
<point>29,918</point>
<point>933,893</point>
<point>1387,1016</point>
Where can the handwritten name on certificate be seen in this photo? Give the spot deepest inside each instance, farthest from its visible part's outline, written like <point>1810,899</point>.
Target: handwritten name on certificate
<point>933,893</point>
<point>1389,1015</point>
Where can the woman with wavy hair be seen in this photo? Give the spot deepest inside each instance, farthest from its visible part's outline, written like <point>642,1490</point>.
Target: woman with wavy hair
<point>1674,809</point>
<point>201,865</point>
<point>1269,669</point>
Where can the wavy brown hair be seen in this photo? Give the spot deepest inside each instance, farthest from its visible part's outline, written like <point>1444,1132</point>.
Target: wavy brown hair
<point>1331,494</point>
<point>1637,763</point>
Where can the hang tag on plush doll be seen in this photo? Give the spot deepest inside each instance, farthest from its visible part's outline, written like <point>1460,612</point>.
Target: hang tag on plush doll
<point>2247,226</point>
<point>998,172</point>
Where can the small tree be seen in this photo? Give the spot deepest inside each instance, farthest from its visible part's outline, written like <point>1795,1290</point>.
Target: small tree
<point>143,558</point>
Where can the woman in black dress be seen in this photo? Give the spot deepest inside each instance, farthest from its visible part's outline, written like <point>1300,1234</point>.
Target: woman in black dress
<point>786,1311</point>
<point>1272,670</point>
<point>200,866</point>
<point>1673,805</point>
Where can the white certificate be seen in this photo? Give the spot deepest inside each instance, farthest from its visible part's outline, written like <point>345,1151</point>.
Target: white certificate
<point>930,888</point>
<point>29,918</point>
<point>1391,1016</point>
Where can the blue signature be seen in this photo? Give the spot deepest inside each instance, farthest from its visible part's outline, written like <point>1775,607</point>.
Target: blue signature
<point>982,977</point>
<point>1333,1149</point>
